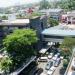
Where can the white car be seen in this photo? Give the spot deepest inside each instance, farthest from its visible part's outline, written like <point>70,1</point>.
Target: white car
<point>50,55</point>
<point>61,57</point>
<point>56,55</point>
<point>51,71</point>
<point>54,58</point>
<point>42,59</point>
<point>57,62</point>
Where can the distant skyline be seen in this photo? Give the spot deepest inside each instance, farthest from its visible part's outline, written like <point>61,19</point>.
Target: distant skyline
<point>6,3</point>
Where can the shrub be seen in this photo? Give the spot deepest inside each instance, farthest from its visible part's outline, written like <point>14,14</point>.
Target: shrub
<point>65,63</point>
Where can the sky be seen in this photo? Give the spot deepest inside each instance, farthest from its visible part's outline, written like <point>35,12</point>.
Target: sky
<point>6,3</point>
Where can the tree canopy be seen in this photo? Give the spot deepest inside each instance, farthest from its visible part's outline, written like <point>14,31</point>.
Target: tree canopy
<point>44,4</point>
<point>67,4</point>
<point>4,17</point>
<point>20,45</point>
<point>5,64</point>
<point>67,46</point>
<point>53,22</point>
<point>68,42</point>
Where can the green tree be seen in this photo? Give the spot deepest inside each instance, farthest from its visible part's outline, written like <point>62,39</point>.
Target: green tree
<point>20,45</point>
<point>53,22</point>
<point>4,17</point>
<point>44,4</point>
<point>5,64</point>
<point>65,63</point>
<point>35,14</point>
<point>67,46</point>
<point>67,4</point>
<point>68,42</point>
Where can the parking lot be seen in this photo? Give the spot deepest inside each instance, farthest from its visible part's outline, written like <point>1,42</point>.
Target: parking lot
<point>56,72</point>
<point>57,69</point>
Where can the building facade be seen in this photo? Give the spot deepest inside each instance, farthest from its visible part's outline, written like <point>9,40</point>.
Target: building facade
<point>36,23</point>
<point>68,18</point>
<point>53,13</point>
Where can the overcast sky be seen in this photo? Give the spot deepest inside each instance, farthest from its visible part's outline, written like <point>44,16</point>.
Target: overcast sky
<point>5,3</point>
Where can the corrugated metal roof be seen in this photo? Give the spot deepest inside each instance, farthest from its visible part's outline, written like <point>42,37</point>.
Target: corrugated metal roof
<point>60,31</point>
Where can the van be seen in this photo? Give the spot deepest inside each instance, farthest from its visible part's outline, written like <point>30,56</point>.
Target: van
<point>42,59</point>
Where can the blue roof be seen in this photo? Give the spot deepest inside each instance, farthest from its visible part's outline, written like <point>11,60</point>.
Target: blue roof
<point>59,31</point>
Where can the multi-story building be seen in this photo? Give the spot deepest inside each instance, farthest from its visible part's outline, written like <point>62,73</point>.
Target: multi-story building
<point>36,23</point>
<point>69,18</point>
<point>53,13</point>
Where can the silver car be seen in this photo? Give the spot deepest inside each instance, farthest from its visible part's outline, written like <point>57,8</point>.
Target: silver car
<point>57,62</point>
<point>49,65</point>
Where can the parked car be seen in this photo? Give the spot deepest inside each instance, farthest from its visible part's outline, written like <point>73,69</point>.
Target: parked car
<point>49,65</point>
<point>38,71</point>
<point>57,62</point>
<point>51,70</point>
<point>42,59</point>
<point>50,55</point>
<point>57,55</point>
<point>61,57</point>
<point>54,58</point>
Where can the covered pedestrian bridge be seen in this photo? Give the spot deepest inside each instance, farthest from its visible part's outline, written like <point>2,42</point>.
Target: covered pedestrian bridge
<point>58,33</point>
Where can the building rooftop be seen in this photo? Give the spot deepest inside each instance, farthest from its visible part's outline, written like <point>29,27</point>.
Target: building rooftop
<point>71,13</point>
<point>14,22</point>
<point>20,21</point>
<point>51,10</point>
<point>61,30</point>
